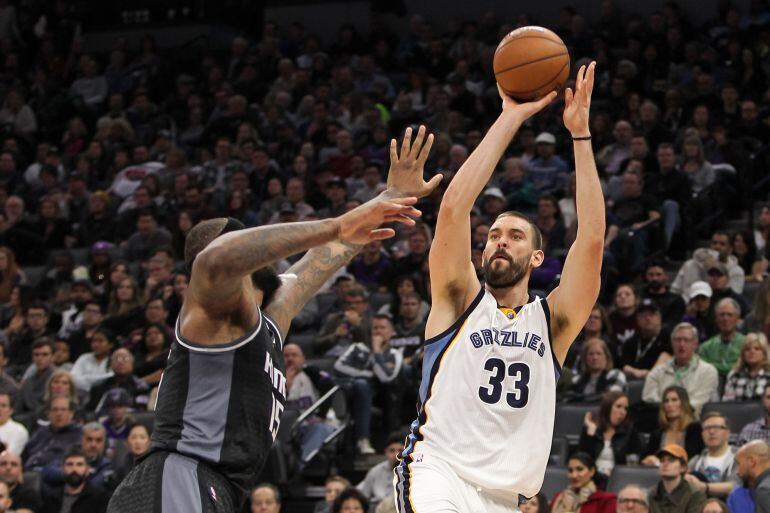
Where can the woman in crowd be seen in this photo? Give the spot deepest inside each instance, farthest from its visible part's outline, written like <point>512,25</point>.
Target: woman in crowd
<point>152,354</point>
<point>714,506</point>
<point>537,504</point>
<point>138,443</point>
<point>12,313</point>
<point>695,166</point>
<point>126,309</point>
<point>745,250</point>
<point>179,284</point>
<point>582,495</point>
<point>751,374</point>
<point>677,425</point>
<point>597,373</point>
<point>612,440</point>
<point>623,315</point>
<point>10,274</point>
<point>350,501</point>
<point>597,326</point>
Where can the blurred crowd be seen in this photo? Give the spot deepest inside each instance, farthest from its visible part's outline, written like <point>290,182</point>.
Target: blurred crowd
<point>108,158</point>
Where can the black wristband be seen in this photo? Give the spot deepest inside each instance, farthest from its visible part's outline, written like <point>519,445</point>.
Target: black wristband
<point>586,138</point>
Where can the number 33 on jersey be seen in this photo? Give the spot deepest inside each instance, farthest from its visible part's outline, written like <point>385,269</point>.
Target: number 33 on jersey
<point>488,395</point>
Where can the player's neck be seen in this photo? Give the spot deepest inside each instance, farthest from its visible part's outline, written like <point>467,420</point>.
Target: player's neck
<point>511,297</point>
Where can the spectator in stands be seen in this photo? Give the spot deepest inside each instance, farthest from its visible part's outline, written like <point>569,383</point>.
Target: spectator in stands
<point>80,495</point>
<point>79,340</point>
<point>760,428</point>
<point>536,504</point>
<point>125,310</point>
<point>714,506</point>
<point>94,445</point>
<point>750,376</point>
<point>677,424</point>
<point>582,495</point>
<point>378,483</point>
<point>10,274</point>
<point>753,466</point>
<point>698,311</point>
<point>643,351</point>
<point>686,369</point>
<point>122,367</point>
<point>138,443</point>
<point>408,326</point>
<point>92,368</point>
<point>81,292</point>
<point>759,317</point>
<point>671,305</point>
<point>30,398</point>
<point>151,355</point>
<point>720,289</point>
<point>597,373</point>
<point>612,439</point>
<point>353,324</point>
<point>673,492</point>
<point>13,435</point>
<point>20,345</point>
<point>713,470</point>
<point>350,501</point>
<point>703,259</point>
<point>8,385</point>
<point>724,349</point>
<point>745,251</point>
<point>597,326</point>
<point>147,238</point>
<point>670,186</point>
<point>547,170</point>
<point>372,266</point>
<point>118,422</point>
<point>5,498</point>
<point>265,498</point>
<point>633,499</point>
<point>50,442</point>
<point>623,315</point>
<point>333,486</point>
<point>22,494</point>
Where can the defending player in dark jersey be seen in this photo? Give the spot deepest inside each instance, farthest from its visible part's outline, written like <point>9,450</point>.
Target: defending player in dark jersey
<point>223,390</point>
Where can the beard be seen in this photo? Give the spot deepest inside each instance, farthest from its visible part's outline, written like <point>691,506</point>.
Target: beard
<point>74,479</point>
<point>505,276</point>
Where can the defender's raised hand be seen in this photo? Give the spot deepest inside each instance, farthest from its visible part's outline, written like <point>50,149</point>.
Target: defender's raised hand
<point>406,170</point>
<point>578,103</point>
<point>362,224</point>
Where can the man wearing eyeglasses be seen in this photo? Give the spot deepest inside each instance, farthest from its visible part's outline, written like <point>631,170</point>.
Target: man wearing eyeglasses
<point>713,470</point>
<point>633,499</point>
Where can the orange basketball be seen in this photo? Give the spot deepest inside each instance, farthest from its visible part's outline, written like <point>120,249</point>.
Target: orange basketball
<point>530,62</point>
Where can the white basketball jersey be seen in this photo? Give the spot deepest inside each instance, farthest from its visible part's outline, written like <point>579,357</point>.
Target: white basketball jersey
<point>488,397</point>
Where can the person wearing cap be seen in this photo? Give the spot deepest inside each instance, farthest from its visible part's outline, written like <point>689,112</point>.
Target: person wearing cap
<point>118,422</point>
<point>723,349</point>
<point>685,369</point>
<point>673,494</point>
<point>717,277</point>
<point>547,170</point>
<point>644,349</point>
<point>656,288</point>
<point>720,250</point>
<point>493,202</point>
<point>698,309</point>
<point>81,292</point>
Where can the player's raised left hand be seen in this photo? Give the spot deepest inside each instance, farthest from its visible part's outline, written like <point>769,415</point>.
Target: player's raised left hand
<point>405,175</point>
<point>578,103</point>
<point>362,224</point>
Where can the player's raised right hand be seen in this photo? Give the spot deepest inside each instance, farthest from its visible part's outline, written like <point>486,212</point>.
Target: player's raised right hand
<point>362,224</point>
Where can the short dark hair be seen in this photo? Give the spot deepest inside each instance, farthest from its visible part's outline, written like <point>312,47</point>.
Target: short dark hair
<point>201,236</point>
<point>266,280</point>
<point>74,451</point>
<point>38,305</point>
<point>44,341</point>
<point>349,493</point>
<point>537,235</point>
<point>716,414</point>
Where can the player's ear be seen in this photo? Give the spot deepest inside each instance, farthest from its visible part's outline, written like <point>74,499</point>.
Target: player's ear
<point>537,258</point>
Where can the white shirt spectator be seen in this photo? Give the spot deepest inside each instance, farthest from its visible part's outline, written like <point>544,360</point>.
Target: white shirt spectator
<point>14,436</point>
<point>88,371</point>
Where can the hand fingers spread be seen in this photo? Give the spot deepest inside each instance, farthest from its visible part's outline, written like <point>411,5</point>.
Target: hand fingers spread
<point>393,151</point>
<point>591,70</point>
<point>417,142</point>
<point>382,233</point>
<point>406,144</point>
<point>567,97</point>
<point>423,156</point>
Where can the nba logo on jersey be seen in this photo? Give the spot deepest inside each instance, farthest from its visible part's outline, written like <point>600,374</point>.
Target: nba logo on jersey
<point>213,494</point>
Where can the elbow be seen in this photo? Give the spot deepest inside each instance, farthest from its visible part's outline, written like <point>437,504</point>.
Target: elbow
<point>212,262</point>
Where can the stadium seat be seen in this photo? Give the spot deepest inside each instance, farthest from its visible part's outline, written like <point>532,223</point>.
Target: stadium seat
<point>379,299</point>
<point>737,413</point>
<point>559,450</point>
<point>146,418</point>
<point>634,389</point>
<point>555,480</point>
<point>569,419</point>
<point>623,475</point>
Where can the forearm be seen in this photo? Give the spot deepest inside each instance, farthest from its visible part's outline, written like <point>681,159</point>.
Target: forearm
<point>589,198</point>
<point>242,252</point>
<point>474,174</point>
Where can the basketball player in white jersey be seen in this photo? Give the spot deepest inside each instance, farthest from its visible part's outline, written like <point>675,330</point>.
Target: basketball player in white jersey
<point>493,353</point>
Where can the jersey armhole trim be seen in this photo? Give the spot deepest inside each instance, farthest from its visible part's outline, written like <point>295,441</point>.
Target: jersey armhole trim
<point>218,348</point>
<point>460,320</point>
<point>276,330</point>
<point>547,310</point>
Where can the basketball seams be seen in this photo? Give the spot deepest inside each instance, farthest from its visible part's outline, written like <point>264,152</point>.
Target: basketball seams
<point>541,59</point>
<point>556,76</point>
<point>534,36</point>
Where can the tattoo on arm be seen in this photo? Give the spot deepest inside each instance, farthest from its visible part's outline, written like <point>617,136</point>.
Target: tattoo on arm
<point>306,277</point>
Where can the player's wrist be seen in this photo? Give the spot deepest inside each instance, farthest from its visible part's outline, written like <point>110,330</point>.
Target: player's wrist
<point>581,135</point>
